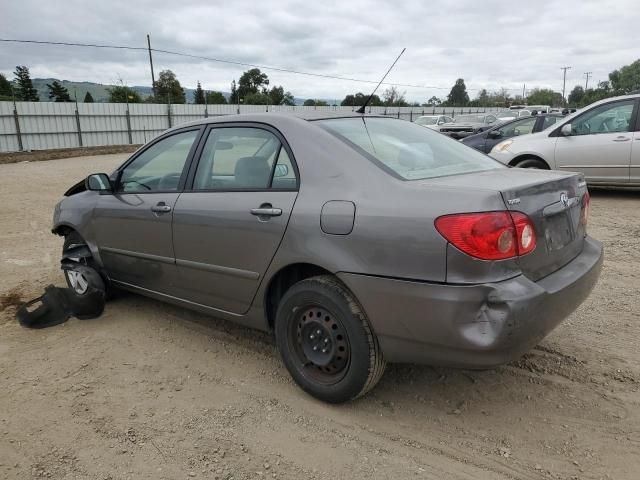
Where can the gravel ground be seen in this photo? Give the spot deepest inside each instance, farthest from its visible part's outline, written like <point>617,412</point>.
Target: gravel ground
<point>153,391</point>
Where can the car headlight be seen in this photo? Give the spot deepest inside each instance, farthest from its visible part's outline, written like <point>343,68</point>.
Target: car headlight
<point>502,146</point>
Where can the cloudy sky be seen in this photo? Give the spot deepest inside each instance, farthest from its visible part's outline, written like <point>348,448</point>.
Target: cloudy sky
<point>491,43</point>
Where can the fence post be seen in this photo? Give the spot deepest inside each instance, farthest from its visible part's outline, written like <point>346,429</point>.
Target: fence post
<point>18,132</point>
<point>169,113</point>
<point>128,115</point>
<point>78,126</point>
<point>411,115</point>
<point>398,113</point>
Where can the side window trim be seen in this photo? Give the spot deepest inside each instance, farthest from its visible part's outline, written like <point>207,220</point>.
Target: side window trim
<point>187,164</point>
<point>197,155</point>
<point>632,122</point>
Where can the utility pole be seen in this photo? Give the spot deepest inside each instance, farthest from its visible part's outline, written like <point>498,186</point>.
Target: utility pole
<point>153,79</point>
<point>524,89</point>
<point>564,82</point>
<point>586,83</point>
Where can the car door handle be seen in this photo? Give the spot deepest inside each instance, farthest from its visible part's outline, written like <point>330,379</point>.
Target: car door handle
<point>161,208</point>
<point>621,139</point>
<point>266,212</point>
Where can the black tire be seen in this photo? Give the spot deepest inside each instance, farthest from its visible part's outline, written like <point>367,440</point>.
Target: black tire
<point>532,163</point>
<point>355,361</point>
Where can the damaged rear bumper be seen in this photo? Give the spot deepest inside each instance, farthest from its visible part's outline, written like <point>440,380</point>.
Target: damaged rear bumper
<point>472,326</point>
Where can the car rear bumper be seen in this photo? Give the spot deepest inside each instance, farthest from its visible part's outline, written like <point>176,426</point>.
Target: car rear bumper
<point>473,326</point>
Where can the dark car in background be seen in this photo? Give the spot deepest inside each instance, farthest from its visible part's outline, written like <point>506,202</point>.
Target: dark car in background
<point>468,124</point>
<point>485,141</point>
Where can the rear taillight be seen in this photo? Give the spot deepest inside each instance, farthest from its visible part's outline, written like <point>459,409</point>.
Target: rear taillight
<point>584,213</point>
<point>489,235</point>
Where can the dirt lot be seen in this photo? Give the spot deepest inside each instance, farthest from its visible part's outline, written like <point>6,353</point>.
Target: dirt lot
<point>152,391</point>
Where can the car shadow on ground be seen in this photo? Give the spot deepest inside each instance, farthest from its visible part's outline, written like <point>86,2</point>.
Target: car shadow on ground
<point>612,193</point>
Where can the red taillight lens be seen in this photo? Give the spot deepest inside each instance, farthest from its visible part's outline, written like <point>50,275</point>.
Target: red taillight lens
<point>489,235</point>
<point>584,213</point>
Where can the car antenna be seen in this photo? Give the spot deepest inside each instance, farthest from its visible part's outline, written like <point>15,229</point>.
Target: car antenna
<point>361,109</point>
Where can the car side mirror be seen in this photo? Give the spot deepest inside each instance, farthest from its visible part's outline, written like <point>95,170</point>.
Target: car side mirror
<point>281,170</point>
<point>566,130</point>
<point>494,134</point>
<point>98,182</point>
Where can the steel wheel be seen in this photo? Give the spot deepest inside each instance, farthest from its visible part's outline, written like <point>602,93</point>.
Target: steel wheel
<point>326,341</point>
<point>320,343</point>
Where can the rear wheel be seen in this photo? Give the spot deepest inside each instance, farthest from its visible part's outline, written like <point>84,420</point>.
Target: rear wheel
<point>532,163</point>
<point>326,342</point>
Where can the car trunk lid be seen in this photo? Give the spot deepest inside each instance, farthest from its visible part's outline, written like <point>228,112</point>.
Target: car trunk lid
<point>552,200</point>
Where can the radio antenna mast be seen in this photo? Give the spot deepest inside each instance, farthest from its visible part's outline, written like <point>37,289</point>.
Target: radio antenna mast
<point>361,109</point>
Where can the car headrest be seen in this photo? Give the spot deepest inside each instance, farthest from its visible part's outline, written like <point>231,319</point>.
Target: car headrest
<point>252,172</point>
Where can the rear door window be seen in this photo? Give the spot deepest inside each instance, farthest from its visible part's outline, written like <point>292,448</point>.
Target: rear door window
<point>238,158</point>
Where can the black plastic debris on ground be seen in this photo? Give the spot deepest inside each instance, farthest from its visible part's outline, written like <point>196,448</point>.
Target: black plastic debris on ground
<point>57,304</point>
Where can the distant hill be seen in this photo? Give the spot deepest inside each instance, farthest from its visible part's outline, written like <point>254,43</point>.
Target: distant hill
<point>98,91</point>
<point>100,94</point>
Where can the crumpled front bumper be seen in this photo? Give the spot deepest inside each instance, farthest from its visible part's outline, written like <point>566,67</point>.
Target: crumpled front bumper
<point>472,326</point>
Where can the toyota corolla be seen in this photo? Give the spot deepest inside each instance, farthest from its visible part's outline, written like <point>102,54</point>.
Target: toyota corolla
<point>357,240</point>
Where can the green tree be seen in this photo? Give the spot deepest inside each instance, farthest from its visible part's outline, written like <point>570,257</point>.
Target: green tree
<point>393,98</point>
<point>123,94</point>
<point>358,100</point>
<point>216,98</point>
<point>433,102</point>
<point>6,93</point>
<point>57,92</point>
<point>258,98</point>
<point>576,95</point>
<point>602,90</point>
<point>168,88</point>
<point>310,102</point>
<point>544,96</point>
<point>88,98</point>
<point>198,95</point>
<point>458,96</point>
<point>625,80</point>
<point>252,81</point>
<point>25,90</point>
<point>482,99</point>
<point>280,97</point>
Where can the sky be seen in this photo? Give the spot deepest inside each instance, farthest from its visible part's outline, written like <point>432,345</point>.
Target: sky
<point>491,44</point>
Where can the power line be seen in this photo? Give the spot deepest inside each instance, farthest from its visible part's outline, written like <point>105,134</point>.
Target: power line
<point>230,62</point>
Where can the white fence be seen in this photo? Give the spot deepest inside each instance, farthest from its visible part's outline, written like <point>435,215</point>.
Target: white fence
<point>46,125</point>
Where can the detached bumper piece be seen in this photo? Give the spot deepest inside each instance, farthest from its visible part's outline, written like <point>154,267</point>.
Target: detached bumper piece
<point>57,304</point>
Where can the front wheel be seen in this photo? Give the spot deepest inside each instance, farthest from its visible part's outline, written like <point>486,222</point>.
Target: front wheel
<point>326,342</point>
<point>532,163</point>
<point>81,280</point>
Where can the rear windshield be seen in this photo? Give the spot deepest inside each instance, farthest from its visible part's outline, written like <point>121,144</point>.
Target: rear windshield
<point>406,150</point>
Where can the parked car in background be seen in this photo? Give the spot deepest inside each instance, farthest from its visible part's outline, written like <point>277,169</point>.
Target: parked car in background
<point>485,141</point>
<point>468,124</point>
<point>602,141</point>
<point>268,220</point>
<point>506,115</point>
<point>531,108</point>
<point>433,122</point>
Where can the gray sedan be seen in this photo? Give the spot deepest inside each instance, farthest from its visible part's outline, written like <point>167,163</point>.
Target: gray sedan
<point>357,240</point>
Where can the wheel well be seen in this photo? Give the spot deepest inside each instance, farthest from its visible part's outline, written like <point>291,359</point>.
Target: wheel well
<point>63,230</point>
<point>517,160</point>
<point>285,279</point>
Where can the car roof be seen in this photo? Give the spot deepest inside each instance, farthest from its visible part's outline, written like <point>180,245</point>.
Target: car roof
<point>273,118</point>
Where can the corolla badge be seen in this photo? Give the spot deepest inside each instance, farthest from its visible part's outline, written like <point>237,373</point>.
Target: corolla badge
<point>564,198</point>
